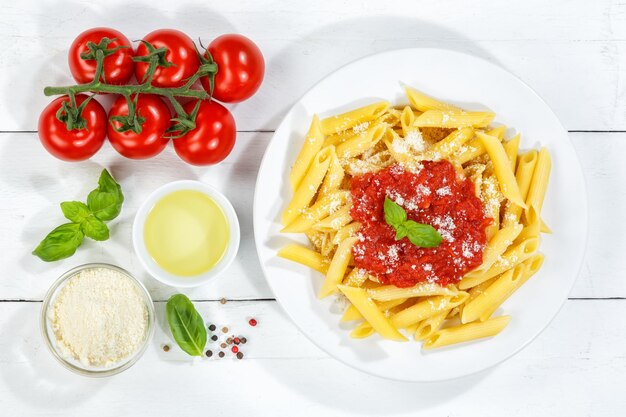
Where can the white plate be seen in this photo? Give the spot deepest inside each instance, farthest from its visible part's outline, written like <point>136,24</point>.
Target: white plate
<point>473,84</point>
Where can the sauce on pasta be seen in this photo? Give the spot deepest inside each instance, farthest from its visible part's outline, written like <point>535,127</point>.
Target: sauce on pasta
<point>431,195</point>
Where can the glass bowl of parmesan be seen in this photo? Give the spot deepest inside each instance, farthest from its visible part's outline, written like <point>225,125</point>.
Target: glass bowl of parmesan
<point>97,319</point>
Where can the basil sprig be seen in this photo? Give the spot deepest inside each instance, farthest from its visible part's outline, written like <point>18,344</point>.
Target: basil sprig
<point>421,235</point>
<point>186,324</point>
<point>103,204</point>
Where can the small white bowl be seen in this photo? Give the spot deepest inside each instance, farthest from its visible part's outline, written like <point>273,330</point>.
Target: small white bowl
<point>152,267</point>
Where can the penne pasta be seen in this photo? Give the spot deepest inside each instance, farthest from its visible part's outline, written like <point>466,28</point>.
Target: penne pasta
<point>497,132</point>
<point>358,297</point>
<point>427,327</point>
<point>467,332</point>
<point>304,256</point>
<point>391,292</point>
<point>511,148</point>
<point>450,143</point>
<point>427,308</point>
<point>356,278</point>
<point>471,151</point>
<point>362,331</point>
<point>348,120</point>
<point>484,305</point>
<point>451,119</point>
<point>328,204</point>
<point>529,231</point>
<point>502,168</point>
<point>334,176</point>
<point>415,155</point>
<point>511,258</point>
<point>358,144</point>
<point>309,185</point>
<point>337,268</point>
<point>538,186</point>
<point>423,103</point>
<point>407,118</point>
<point>492,198</point>
<point>346,232</point>
<point>335,221</point>
<point>523,176</point>
<point>312,145</point>
<point>351,314</point>
<point>502,239</point>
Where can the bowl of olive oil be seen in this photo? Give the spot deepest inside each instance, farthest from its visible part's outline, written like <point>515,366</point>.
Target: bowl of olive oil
<point>186,233</point>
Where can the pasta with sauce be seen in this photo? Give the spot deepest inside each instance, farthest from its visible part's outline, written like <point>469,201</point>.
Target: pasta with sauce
<point>448,170</point>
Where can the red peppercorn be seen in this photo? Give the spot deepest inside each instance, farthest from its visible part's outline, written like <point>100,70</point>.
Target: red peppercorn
<point>236,340</point>
<point>252,322</point>
<point>234,349</point>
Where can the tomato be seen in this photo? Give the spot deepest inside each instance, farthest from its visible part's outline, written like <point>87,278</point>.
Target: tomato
<point>118,67</point>
<point>75,144</point>
<point>240,68</point>
<point>181,53</point>
<point>150,141</point>
<point>213,137</point>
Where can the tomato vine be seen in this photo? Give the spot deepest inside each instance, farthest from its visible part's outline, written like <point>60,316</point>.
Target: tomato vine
<point>71,113</point>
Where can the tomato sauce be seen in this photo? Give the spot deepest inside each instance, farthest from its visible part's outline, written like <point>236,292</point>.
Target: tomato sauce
<point>433,195</point>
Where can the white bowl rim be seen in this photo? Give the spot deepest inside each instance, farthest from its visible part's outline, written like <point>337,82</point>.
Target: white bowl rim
<point>152,267</point>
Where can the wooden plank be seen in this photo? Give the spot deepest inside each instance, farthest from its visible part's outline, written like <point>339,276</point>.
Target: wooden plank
<point>32,184</point>
<point>571,55</point>
<point>575,368</point>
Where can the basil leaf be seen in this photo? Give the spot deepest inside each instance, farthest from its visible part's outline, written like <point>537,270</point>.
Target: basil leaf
<point>422,235</point>
<point>186,325</point>
<point>401,232</point>
<point>75,211</point>
<point>105,202</point>
<point>60,243</point>
<point>394,213</point>
<point>95,228</point>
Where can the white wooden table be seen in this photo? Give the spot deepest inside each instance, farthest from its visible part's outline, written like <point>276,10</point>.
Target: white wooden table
<point>573,53</point>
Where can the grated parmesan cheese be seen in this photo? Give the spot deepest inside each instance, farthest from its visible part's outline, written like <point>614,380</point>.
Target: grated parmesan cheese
<point>99,317</point>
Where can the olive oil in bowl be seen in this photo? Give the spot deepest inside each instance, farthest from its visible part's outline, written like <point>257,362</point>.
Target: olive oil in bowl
<point>186,233</point>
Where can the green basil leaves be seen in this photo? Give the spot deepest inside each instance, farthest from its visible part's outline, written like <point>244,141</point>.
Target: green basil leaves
<point>422,235</point>
<point>186,325</point>
<point>60,243</point>
<point>103,204</point>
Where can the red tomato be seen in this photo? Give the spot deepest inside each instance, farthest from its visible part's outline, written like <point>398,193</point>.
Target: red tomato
<point>181,53</point>
<point>212,139</point>
<point>150,141</point>
<point>118,67</point>
<point>240,68</point>
<point>73,145</point>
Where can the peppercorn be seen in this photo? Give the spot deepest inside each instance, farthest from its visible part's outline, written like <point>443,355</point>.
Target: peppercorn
<point>224,329</point>
<point>221,354</point>
<point>244,340</point>
<point>234,349</point>
<point>209,353</point>
<point>214,338</point>
<point>229,340</point>
<point>223,300</point>
<point>166,348</point>
<point>252,322</point>
<point>212,327</point>
<point>239,355</point>
<point>223,345</point>
<point>236,340</point>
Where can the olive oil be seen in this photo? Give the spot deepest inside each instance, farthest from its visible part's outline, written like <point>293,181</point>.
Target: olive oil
<point>186,233</point>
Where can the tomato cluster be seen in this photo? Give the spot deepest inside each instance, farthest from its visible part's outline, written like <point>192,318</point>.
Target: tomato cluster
<point>240,71</point>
